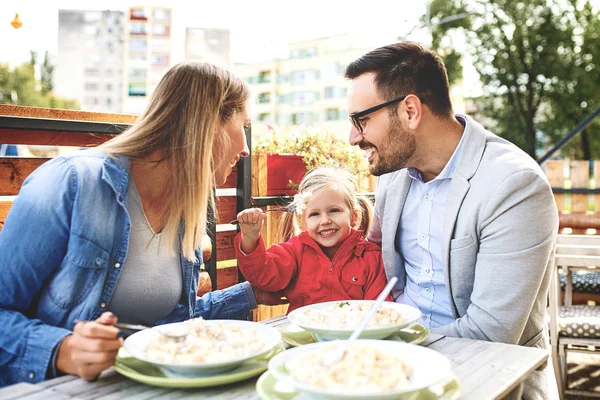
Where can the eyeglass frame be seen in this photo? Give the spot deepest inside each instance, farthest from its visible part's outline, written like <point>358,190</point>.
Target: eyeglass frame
<point>356,115</point>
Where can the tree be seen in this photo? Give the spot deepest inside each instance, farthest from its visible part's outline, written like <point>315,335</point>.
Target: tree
<point>525,53</point>
<point>19,86</point>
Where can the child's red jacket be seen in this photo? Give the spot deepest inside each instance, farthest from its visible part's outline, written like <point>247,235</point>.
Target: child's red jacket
<point>305,275</point>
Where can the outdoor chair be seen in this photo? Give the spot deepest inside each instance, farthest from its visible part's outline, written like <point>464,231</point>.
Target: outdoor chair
<point>573,328</point>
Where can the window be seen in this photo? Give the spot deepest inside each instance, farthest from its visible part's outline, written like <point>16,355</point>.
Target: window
<point>140,14</point>
<point>137,28</point>
<point>138,45</point>
<point>264,77</point>
<point>303,77</point>
<point>161,14</point>
<point>264,98</point>
<point>332,92</point>
<point>108,102</point>
<point>90,86</point>
<point>160,60</point>
<point>137,75</point>
<point>264,117</point>
<point>109,87</point>
<point>161,30</point>
<point>282,78</point>
<point>282,99</point>
<point>137,89</point>
<point>301,98</point>
<point>92,44</point>
<point>299,118</point>
<point>332,114</point>
<point>250,79</point>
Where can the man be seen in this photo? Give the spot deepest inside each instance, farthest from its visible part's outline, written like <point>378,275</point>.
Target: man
<point>466,220</point>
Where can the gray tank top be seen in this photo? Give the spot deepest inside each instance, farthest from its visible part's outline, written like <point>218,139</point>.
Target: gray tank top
<point>150,284</point>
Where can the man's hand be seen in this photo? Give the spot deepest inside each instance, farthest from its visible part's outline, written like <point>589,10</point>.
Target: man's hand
<point>268,298</point>
<point>91,349</point>
<point>251,222</point>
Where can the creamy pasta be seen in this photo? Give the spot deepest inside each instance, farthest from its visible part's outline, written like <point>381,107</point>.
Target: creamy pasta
<point>346,315</point>
<point>207,341</point>
<point>363,369</point>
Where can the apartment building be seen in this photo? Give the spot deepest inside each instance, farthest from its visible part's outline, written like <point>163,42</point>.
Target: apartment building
<point>147,54</point>
<point>208,45</point>
<point>89,64</point>
<point>307,88</point>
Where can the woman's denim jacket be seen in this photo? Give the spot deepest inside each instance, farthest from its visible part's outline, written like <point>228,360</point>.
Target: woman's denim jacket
<point>61,247</point>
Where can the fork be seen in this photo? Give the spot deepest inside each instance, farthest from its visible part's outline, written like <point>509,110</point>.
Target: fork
<point>137,328</point>
<point>289,208</point>
<point>338,354</point>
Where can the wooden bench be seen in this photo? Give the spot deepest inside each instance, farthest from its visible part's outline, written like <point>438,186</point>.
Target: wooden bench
<point>53,127</point>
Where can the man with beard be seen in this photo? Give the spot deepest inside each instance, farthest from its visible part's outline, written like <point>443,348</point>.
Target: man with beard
<point>465,219</point>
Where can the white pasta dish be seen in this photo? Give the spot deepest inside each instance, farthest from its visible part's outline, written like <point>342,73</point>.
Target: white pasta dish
<point>370,369</point>
<point>337,319</point>
<point>205,342</point>
<point>363,369</point>
<point>346,315</point>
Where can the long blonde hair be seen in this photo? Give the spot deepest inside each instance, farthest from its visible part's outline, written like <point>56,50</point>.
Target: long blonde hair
<point>323,179</point>
<point>183,119</point>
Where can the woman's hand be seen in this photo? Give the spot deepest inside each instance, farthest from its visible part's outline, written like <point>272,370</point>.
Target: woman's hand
<point>251,222</point>
<point>91,349</point>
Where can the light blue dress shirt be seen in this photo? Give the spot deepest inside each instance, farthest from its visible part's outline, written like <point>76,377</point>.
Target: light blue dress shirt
<point>420,243</point>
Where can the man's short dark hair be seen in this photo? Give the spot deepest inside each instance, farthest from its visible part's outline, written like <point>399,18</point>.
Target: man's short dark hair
<point>407,68</point>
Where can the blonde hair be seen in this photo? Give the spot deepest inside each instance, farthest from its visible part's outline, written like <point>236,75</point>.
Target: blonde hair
<point>183,119</point>
<point>323,179</point>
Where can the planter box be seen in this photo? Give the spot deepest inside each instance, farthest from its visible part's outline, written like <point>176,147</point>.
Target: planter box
<point>272,173</point>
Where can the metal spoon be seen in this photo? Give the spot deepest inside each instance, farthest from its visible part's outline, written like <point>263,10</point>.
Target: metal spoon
<point>338,354</point>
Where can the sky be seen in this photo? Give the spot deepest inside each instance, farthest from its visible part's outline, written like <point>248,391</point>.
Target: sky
<point>260,29</point>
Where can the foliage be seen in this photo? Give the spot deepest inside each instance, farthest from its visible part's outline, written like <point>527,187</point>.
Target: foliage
<point>317,149</point>
<point>19,86</point>
<point>537,62</point>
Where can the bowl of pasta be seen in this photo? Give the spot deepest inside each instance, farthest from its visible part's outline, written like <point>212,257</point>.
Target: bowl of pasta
<point>206,347</point>
<point>338,319</point>
<point>369,369</point>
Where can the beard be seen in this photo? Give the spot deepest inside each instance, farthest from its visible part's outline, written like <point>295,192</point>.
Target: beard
<point>394,153</point>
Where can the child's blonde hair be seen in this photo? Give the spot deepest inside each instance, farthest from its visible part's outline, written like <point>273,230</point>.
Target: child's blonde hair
<point>323,179</point>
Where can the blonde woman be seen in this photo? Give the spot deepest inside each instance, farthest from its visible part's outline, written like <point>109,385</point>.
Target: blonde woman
<point>116,231</point>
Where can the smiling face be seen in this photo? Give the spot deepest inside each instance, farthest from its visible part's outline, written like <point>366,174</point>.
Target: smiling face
<point>389,145</point>
<point>237,146</point>
<point>328,220</point>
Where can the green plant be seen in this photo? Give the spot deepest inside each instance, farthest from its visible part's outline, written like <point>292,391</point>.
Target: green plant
<point>317,149</point>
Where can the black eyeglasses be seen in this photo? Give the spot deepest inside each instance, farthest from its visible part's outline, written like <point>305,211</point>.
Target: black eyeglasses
<point>355,117</point>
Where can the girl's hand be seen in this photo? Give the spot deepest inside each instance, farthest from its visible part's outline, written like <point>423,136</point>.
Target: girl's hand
<point>250,221</point>
<point>91,349</point>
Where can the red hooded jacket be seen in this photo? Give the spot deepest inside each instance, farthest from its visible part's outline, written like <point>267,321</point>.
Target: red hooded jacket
<point>305,275</point>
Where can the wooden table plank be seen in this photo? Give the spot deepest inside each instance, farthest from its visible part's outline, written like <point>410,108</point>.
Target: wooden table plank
<point>486,370</point>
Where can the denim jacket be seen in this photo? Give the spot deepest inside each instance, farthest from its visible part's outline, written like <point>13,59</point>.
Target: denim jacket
<point>61,249</point>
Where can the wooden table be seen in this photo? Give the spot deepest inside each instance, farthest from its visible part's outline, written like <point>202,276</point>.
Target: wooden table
<point>486,370</point>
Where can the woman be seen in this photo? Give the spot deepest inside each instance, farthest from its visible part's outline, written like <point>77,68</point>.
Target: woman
<point>116,231</point>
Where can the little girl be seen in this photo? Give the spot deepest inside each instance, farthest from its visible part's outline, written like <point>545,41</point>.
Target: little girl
<point>329,260</point>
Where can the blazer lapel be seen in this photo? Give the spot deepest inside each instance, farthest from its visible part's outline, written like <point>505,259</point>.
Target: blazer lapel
<point>474,139</point>
<point>396,196</point>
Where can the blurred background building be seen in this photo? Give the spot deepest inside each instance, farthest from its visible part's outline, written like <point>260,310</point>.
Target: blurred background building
<point>89,63</point>
<point>208,45</point>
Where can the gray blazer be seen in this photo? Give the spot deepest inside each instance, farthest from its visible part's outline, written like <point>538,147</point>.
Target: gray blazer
<point>498,240</point>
